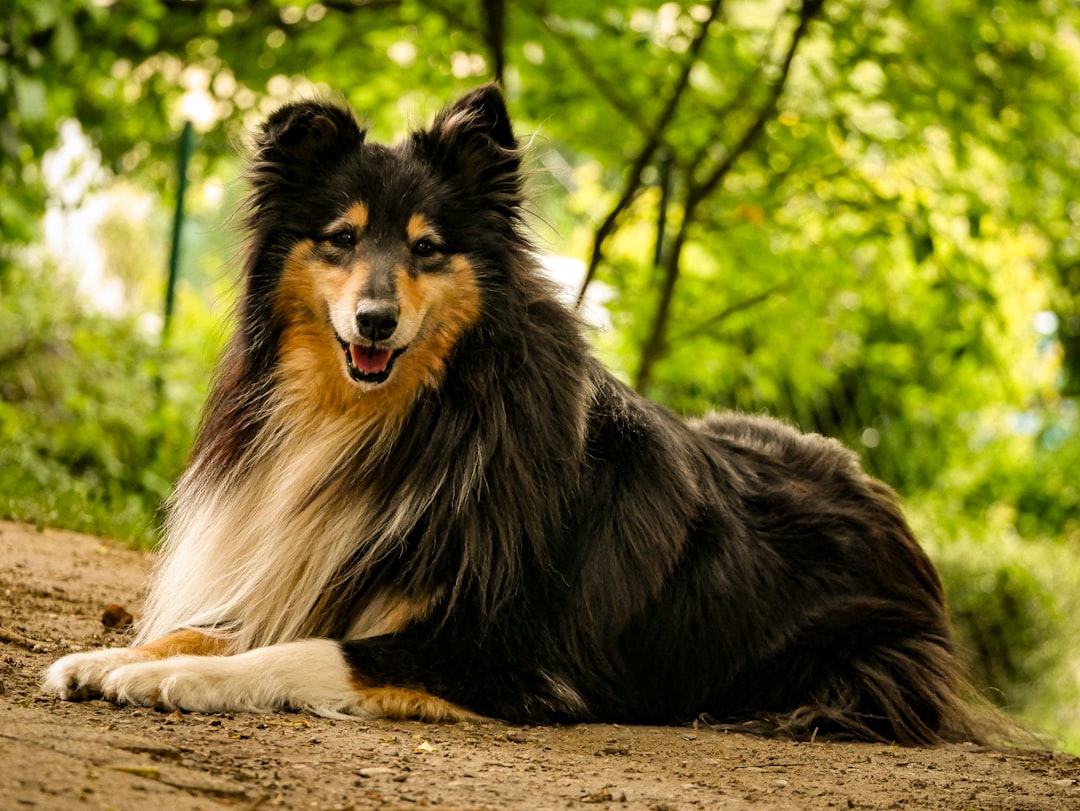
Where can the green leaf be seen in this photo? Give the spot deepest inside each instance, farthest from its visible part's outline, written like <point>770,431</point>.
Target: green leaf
<point>65,44</point>
<point>31,97</point>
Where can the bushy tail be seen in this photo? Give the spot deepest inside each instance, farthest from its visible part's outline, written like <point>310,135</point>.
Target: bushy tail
<point>885,680</point>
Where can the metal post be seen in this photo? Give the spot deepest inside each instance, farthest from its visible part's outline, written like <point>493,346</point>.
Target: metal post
<point>187,146</point>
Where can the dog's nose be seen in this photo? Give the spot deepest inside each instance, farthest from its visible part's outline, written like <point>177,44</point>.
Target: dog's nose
<point>376,320</point>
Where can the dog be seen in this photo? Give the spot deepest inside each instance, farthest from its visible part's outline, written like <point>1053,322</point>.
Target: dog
<point>416,494</point>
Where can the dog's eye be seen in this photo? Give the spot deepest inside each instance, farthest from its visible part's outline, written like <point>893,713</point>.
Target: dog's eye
<point>424,247</point>
<point>342,239</point>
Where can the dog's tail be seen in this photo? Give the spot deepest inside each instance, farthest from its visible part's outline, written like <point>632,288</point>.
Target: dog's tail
<point>963,716</point>
<point>908,690</point>
<point>878,668</point>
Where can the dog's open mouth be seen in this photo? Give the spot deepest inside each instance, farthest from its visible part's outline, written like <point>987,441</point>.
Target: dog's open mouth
<point>369,364</point>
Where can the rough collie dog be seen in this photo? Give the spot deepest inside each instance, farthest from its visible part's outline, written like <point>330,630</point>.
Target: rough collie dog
<point>416,494</point>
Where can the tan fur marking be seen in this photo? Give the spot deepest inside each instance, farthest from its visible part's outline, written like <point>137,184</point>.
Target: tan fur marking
<point>418,228</point>
<point>388,614</point>
<point>404,613</point>
<point>404,704</point>
<point>312,362</point>
<point>192,642</point>
<point>357,216</point>
<point>452,305</point>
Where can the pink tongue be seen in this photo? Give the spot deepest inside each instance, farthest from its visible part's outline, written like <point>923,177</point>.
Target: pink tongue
<point>368,359</point>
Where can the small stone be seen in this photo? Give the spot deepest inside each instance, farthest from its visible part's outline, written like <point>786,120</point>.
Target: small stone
<point>375,771</point>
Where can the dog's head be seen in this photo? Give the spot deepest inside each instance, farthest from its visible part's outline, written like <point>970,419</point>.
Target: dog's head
<point>369,263</point>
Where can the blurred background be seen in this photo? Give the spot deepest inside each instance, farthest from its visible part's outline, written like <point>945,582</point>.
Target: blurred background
<point>857,215</point>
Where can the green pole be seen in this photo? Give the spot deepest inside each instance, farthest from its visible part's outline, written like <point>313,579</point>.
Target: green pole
<point>187,146</point>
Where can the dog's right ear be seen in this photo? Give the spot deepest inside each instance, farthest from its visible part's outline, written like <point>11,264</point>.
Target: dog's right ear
<point>300,136</point>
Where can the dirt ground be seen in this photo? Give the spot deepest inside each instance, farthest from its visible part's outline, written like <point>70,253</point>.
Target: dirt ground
<point>55,587</point>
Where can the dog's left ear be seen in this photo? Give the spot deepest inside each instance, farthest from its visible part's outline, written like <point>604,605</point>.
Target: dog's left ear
<point>479,113</point>
<point>473,142</point>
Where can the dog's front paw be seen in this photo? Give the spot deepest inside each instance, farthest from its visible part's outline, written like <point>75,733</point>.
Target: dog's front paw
<point>139,683</point>
<point>81,676</point>
<point>191,683</point>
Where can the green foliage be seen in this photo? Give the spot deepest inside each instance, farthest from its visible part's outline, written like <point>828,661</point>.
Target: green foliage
<point>95,418</point>
<point>1016,611</point>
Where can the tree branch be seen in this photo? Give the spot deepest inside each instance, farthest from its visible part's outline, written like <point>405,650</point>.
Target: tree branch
<point>726,313</point>
<point>656,344</point>
<point>739,101</point>
<point>495,35</point>
<point>648,149</point>
<point>700,191</point>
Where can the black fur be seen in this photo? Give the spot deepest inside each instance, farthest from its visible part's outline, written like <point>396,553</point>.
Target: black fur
<point>610,562</point>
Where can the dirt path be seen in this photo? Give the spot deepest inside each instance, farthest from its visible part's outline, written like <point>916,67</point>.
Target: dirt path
<point>54,587</point>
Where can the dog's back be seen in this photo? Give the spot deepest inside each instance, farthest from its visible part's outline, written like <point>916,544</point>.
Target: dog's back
<point>738,568</point>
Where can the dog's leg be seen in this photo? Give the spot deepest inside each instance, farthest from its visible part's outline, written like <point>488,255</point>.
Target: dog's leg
<point>81,675</point>
<point>310,674</point>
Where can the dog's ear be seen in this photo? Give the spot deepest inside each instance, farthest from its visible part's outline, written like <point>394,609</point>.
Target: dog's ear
<point>472,142</point>
<point>480,113</point>
<point>302,135</point>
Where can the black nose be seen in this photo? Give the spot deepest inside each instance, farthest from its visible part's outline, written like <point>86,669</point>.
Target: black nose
<point>376,320</point>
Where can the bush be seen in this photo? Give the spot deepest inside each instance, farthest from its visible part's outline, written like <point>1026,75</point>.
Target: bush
<point>1016,611</point>
<point>96,419</point>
